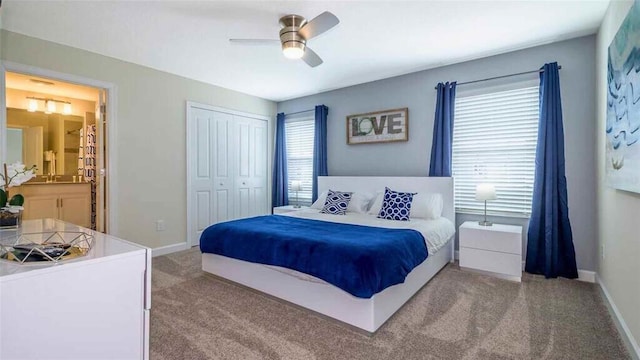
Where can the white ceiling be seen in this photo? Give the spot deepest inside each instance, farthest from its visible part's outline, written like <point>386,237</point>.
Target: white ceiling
<point>374,40</point>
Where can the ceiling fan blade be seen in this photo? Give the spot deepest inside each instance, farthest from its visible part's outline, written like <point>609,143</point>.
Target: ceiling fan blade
<point>318,25</point>
<point>255,41</point>
<point>311,58</point>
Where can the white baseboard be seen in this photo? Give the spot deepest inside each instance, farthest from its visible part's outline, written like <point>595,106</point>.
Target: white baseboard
<point>621,325</point>
<point>168,249</point>
<point>587,276</point>
<point>583,275</point>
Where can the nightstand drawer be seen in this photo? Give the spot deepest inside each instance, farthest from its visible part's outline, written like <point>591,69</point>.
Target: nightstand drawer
<point>501,263</point>
<point>491,239</point>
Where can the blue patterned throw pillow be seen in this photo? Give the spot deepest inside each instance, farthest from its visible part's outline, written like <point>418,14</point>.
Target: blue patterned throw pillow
<point>336,203</point>
<point>396,205</point>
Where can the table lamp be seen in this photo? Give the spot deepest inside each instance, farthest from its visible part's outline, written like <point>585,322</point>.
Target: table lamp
<point>485,192</point>
<point>296,185</point>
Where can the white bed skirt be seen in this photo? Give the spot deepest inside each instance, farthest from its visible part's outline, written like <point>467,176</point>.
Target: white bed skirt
<point>366,314</point>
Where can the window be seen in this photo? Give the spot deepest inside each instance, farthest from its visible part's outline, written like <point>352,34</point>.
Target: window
<point>299,133</point>
<point>494,141</point>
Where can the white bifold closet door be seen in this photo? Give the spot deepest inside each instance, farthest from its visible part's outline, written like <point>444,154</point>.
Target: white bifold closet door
<point>227,168</point>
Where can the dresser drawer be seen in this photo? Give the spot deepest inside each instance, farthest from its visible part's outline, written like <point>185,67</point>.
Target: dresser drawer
<point>501,263</point>
<point>492,239</point>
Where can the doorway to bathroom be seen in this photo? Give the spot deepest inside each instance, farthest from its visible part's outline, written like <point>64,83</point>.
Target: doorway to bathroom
<point>60,128</point>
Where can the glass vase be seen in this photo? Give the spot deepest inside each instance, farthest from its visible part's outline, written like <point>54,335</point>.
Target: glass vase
<point>10,220</point>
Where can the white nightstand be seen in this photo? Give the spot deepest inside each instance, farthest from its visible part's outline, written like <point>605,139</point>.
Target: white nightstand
<point>496,249</point>
<point>287,208</point>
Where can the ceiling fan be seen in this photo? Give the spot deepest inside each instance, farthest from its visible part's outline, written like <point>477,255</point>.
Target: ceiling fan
<point>295,33</point>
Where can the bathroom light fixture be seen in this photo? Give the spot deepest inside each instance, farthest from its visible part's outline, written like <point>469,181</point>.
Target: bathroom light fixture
<point>33,105</point>
<point>49,105</point>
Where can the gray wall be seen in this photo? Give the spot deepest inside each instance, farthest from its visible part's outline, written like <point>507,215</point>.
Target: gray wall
<point>416,91</point>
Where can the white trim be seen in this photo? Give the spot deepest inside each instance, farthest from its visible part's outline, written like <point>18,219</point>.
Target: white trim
<point>168,249</point>
<point>587,276</point>
<point>112,106</point>
<point>583,275</point>
<point>226,111</point>
<point>3,114</point>
<point>190,154</point>
<point>625,333</point>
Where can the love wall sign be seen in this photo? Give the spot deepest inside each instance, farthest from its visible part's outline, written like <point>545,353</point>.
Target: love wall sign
<point>379,126</point>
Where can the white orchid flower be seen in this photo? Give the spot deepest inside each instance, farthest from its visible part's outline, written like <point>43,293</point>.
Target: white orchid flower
<point>18,174</point>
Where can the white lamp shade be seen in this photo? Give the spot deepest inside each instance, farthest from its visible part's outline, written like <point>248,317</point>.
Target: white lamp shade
<point>296,185</point>
<point>66,109</point>
<point>485,192</point>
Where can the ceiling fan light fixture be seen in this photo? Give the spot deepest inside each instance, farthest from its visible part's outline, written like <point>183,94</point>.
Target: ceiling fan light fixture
<point>293,50</point>
<point>295,32</point>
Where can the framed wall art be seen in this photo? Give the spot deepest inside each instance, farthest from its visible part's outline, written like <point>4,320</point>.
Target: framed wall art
<point>623,106</point>
<point>378,127</point>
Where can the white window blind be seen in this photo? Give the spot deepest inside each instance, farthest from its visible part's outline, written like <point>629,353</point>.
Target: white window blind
<point>299,133</point>
<point>494,141</point>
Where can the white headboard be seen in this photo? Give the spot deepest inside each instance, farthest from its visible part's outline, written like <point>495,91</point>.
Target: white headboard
<point>372,184</point>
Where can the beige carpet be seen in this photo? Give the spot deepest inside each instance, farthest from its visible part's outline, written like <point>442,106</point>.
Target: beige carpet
<point>458,315</point>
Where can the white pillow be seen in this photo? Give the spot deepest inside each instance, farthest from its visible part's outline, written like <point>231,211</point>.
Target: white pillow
<point>319,203</point>
<point>359,202</point>
<point>377,204</point>
<point>427,206</point>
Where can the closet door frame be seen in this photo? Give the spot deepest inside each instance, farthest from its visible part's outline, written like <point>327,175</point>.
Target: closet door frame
<point>191,152</point>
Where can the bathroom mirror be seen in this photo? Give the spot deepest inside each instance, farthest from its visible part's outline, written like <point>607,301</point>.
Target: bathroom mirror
<point>49,141</point>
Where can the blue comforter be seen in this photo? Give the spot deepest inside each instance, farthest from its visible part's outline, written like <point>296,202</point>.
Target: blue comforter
<point>361,260</point>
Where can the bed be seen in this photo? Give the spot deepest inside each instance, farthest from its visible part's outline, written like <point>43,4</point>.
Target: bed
<point>365,312</point>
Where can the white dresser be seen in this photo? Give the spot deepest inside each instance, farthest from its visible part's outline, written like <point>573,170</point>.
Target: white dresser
<point>495,249</point>
<point>93,307</point>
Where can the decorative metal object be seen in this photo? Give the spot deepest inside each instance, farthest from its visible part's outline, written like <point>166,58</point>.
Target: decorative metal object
<point>51,246</point>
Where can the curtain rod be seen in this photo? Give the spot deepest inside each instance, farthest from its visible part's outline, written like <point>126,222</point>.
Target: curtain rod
<point>299,112</point>
<point>503,76</point>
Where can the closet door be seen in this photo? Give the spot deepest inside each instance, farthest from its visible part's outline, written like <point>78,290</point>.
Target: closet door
<point>209,166</point>
<point>227,168</point>
<point>222,173</point>
<point>201,133</point>
<point>251,167</point>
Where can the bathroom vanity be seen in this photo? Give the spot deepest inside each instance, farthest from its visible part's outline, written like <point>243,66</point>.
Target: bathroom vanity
<point>66,201</point>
